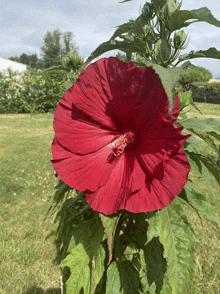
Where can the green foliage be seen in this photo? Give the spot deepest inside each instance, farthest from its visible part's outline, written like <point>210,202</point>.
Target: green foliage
<point>184,97</point>
<point>53,50</point>
<point>29,59</point>
<point>179,18</point>
<point>200,74</point>
<point>150,252</point>
<point>37,90</point>
<point>206,92</point>
<point>178,238</point>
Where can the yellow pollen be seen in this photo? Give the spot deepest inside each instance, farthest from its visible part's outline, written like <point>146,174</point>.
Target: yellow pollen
<point>118,146</point>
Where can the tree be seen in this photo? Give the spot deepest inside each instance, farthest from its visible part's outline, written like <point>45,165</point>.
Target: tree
<point>29,59</point>
<point>196,75</point>
<point>54,49</point>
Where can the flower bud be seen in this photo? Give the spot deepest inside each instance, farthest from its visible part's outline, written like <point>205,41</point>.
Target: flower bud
<point>162,51</point>
<point>179,39</point>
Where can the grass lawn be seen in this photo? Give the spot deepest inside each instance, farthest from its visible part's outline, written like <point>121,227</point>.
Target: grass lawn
<point>26,179</point>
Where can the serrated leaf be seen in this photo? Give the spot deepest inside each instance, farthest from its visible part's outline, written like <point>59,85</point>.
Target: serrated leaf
<point>113,283</point>
<point>202,128</point>
<point>47,98</point>
<point>122,29</point>
<point>179,18</point>
<point>168,76</point>
<point>137,45</point>
<point>210,53</point>
<point>86,258</point>
<point>178,241</point>
<point>78,261</point>
<point>90,234</point>
<point>200,202</point>
<point>197,164</point>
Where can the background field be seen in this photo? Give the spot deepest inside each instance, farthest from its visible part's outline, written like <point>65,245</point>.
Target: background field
<point>27,252</point>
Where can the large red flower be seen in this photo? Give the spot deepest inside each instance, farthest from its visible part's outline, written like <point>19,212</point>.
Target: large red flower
<point>115,140</point>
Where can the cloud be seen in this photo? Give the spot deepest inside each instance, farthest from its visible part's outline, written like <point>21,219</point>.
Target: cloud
<point>24,24</point>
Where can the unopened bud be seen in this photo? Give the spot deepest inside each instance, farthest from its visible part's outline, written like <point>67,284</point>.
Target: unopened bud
<point>162,51</point>
<point>179,39</point>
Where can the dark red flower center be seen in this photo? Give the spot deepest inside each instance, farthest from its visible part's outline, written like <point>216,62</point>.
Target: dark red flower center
<point>119,145</point>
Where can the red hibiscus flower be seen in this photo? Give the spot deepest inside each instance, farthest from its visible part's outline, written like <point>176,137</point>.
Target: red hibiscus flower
<point>115,140</point>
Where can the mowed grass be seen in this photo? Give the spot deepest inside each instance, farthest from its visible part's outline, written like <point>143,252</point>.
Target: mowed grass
<point>27,178</point>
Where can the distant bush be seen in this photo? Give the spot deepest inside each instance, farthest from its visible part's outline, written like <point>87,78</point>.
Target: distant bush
<point>207,93</point>
<point>196,75</point>
<point>19,92</point>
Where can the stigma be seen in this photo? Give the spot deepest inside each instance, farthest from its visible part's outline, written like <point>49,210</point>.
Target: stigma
<point>119,145</point>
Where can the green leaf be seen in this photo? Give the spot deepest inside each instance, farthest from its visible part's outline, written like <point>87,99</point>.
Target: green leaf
<point>200,202</point>
<point>192,144</point>
<point>168,76</point>
<point>124,28</point>
<point>209,53</point>
<point>47,98</point>
<point>110,224</point>
<point>89,233</point>
<point>202,128</point>
<point>184,97</point>
<point>178,240</point>
<point>86,258</point>
<point>179,18</point>
<point>155,267</point>
<point>113,283</point>
<point>124,1</point>
<point>132,45</point>
<point>199,163</point>
<point>78,261</point>
<point>129,277</point>
<point>122,277</point>
<point>98,267</point>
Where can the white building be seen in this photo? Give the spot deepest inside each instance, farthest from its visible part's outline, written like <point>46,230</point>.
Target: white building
<point>214,81</point>
<point>15,66</point>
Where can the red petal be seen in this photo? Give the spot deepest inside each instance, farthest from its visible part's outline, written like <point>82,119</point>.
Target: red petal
<point>157,194</point>
<point>82,172</point>
<point>91,93</point>
<point>126,178</point>
<point>139,95</point>
<point>159,143</point>
<point>77,133</point>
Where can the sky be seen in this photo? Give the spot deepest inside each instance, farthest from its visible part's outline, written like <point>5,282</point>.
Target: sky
<point>24,23</point>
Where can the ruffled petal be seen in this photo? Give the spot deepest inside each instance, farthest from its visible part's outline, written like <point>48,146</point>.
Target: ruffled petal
<point>91,93</point>
<point>157,194</point>
<point>90,171</point>
<point>157,144</point>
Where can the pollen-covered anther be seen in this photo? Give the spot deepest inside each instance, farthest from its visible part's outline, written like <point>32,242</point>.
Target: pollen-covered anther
<point>119,145</point>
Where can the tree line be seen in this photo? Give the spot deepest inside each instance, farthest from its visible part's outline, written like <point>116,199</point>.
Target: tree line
<point>55,46</point>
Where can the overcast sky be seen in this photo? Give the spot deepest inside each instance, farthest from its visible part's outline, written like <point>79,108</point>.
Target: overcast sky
<point>23,24</point>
